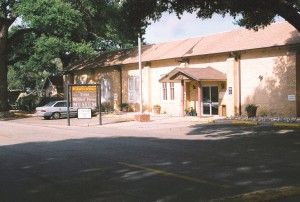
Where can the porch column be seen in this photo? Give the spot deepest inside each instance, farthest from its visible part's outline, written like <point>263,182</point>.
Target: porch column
<point>182,97</point>
<point>199,99</point>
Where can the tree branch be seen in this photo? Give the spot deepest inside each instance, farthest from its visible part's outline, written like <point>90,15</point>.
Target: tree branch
<point>290,14</point>
<point>15,38</point>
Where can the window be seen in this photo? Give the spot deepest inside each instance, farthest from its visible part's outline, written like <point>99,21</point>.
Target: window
<point>133,89</point>
<point>172,92</point>
<point>168,91</point>
<point>165,91</point>
<point>61,104</point>
<point>105,90</point>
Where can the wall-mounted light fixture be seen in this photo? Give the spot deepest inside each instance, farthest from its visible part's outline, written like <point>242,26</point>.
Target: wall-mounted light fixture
<point>260,77</point>
<point>194,87</point>
<point>222,85</point>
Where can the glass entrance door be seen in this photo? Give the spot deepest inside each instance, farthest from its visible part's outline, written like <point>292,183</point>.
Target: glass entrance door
<point>210,104</point>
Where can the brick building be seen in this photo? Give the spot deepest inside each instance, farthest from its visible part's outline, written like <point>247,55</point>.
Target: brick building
<point>218,74</point>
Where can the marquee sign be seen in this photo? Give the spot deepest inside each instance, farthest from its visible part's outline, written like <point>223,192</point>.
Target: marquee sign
<point>84,97</point>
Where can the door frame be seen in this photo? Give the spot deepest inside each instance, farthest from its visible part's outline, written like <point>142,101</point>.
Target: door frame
<point>210,104</point>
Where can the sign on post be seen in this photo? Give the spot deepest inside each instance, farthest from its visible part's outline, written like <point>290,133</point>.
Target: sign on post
<point>84,113</point>
<point>85,97</point>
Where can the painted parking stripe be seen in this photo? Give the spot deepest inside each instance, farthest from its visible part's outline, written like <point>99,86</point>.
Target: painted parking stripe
<point>245,122</point>
<point>191,179</point>
<point>296,125</point>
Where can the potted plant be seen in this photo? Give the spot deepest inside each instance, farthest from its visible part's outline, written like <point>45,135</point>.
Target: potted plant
<point>187,111</point>
<point>193,112</point>
<point>156,109</point>
<point>124,106</point>
<point>251,110</point>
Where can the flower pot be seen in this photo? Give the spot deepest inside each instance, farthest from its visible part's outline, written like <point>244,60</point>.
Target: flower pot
<point>156,110</point>
<point>124,109</point>
<point>251,113</point>
<point>251,110</point>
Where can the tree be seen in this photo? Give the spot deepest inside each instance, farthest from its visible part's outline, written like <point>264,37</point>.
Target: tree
<point>52,31</point>
<point>252,14</point>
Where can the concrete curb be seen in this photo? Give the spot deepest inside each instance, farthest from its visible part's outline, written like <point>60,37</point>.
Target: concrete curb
<point>204,120</point>
<point>116,116</point>
<point>111,115</point>
<point>245,122</point>
<point>291,125</point>
<point>263,195</point>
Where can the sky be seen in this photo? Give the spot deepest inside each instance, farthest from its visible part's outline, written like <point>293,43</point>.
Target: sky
<point>170,28</point>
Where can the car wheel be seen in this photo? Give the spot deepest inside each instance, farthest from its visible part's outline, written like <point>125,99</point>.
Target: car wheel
<point>56,115</point>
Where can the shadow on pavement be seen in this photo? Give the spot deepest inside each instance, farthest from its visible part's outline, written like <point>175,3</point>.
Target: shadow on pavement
<point>151,169</point>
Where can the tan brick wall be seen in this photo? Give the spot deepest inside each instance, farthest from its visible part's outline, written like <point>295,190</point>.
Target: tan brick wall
<point>113,74</point>
<point>84,76</point>
<point>133,71</point>
<point>268,77</point>
<point>159,69</point>
<point>97,75</point>
<point>298,82</point>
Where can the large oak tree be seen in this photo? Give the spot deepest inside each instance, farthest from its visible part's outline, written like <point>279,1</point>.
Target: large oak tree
<point>252,14</point>
<point>55,30</point>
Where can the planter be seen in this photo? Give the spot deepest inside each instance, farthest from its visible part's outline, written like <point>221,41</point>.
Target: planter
<point>251,110</point>
<point>193,113</point>
<point>142,117</point>
<point>251,113</point>
<point>124,109</point>
<point>156,110</point>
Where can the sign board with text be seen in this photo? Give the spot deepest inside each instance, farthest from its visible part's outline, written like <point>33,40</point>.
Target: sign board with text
<point>291,97</point>
<point>84,113</point>
<point>85,97</point>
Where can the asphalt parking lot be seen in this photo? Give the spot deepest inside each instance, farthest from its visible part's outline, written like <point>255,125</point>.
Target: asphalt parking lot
<point>167,159</point>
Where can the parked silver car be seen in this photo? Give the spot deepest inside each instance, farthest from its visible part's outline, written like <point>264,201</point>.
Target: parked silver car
<point>55,110</point>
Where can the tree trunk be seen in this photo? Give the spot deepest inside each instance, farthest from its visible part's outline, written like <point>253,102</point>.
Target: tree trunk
<point>3,68</point>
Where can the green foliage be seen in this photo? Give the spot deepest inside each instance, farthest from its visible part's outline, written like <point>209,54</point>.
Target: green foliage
<point>60,30</point>
<point>54,17</point>
<point>251,107</point>
<point>252,14</point>
<point>54,34</point>
<point>124,104</point>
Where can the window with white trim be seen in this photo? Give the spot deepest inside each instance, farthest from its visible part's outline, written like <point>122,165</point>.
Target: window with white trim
<point>133,89</point>
<point>106,90</point>
<point>168,91</point>
<point>165,90</point>
<point>172,91</point>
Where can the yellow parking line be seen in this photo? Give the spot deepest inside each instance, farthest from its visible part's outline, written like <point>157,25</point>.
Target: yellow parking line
<point>203,120</point>
<point>173,175</point>
<point>296,125</point>
<point>245,122</point>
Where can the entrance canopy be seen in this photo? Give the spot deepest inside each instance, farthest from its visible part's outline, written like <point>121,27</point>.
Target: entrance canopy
<point>197,74</point>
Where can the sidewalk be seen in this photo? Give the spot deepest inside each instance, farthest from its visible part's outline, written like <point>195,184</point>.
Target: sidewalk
<point>128,119</point>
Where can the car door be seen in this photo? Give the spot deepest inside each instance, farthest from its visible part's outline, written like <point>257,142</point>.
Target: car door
<point>61,107</point>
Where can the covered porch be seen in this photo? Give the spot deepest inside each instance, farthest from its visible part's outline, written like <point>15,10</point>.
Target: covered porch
<point>205,82</point>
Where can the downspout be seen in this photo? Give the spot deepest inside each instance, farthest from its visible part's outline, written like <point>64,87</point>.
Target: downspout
<point>182,98</point>
<point>140,72</point>
<point>199,99</point>
<point>238,59</point>
<point>121,84</point>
